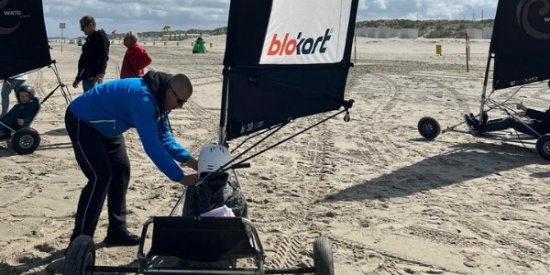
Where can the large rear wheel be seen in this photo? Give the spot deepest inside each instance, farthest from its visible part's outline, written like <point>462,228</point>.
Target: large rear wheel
<point>429,127</point>
<point>322,256</point>
<point>80,255</point>
<point>543,146</point>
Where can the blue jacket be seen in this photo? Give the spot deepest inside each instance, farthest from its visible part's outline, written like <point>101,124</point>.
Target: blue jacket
<point>116,106</point>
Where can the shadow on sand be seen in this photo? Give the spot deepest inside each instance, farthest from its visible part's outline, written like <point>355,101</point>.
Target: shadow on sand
<point>465,162</point>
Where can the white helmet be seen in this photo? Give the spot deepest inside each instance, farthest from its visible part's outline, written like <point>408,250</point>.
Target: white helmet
<point>212,157</point>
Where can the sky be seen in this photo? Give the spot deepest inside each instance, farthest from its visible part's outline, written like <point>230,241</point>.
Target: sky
<point>152,15</point>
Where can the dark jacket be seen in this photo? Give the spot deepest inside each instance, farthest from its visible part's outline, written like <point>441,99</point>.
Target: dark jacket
<point>94,57</point>
<point>24,111</point>
<point>542,120</point>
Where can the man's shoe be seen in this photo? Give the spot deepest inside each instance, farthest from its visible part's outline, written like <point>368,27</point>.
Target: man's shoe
<point>472,125</point>
<point>121,238</point>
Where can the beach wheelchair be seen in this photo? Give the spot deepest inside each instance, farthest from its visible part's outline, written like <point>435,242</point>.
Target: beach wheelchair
<point>207,243</point>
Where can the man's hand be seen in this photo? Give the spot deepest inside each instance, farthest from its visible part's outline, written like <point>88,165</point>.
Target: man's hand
<point>192,163</point>
<point>99,78</point>
<point>20,121</point>
<point>520,106</point>
<point>189,180</point>
<point>75,83</point>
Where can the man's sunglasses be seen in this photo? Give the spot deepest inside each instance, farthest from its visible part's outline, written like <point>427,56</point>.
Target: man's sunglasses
<point>179,100</point>
<point>82,26</point>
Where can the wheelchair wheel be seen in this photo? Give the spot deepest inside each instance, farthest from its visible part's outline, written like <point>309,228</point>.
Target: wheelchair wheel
<point>543,146</point>
<point>25,141</point>
<point>80,255</point>
<point>322,257</point>
<point>429,127</point>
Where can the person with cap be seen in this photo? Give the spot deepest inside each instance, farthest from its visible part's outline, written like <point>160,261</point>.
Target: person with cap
<point>96,121</point>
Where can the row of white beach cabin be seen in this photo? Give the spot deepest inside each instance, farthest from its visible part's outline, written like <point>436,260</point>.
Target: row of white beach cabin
<point>387,32</point>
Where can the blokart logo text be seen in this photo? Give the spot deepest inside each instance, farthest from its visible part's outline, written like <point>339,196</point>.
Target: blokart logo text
<point>299,45</point>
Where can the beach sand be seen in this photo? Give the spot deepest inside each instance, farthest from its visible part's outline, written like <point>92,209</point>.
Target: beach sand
<point>390,201</point>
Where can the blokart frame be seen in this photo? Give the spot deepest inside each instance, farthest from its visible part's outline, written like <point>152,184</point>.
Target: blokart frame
<point>429,127</point>
<point>197,239</point>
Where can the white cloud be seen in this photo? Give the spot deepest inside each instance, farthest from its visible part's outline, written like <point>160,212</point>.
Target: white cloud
<point>141,15</point>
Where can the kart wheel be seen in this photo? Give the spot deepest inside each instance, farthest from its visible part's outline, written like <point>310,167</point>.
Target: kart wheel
<point>322,257</point>
<point>80,255</point>
<point>543,146</point>
<point>429,128</point>
<point>25,141</point>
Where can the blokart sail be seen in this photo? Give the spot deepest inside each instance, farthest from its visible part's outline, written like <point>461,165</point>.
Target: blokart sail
<point>23,39</point>
<point>521,43</point>
<point>284,59</point>
<point>520,51</point>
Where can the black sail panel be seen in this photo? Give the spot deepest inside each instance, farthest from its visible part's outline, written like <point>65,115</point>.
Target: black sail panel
<point>23,38</point>
<point>285,59</point>
<point>521,43</point>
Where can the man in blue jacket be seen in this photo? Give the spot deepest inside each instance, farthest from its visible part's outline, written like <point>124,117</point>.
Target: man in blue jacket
<point>96,121</point>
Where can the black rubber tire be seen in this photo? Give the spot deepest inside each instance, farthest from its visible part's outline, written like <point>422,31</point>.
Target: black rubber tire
<point>80,255</point>
<point>543,146</point>
<point>322,256</point>
<point>25,141</point>
<point>429,127</point>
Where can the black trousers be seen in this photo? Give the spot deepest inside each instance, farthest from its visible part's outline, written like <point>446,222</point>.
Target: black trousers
<point>104,161</point>
<point>509,122</point>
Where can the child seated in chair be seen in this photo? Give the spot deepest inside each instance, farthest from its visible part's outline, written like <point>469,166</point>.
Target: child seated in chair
<point>22,114</point>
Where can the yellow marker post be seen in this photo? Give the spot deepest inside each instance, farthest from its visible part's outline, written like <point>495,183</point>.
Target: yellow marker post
<point>438,50</point>
<point>211,45</point>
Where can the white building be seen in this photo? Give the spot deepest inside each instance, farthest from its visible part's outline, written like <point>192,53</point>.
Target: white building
<point>474,33</point>
<point>386,32</point>
<point>487,33</point>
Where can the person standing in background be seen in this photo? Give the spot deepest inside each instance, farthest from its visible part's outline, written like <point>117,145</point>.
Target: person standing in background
<point>135,59</point>
<point>13,83</point>
<point>94,57</point>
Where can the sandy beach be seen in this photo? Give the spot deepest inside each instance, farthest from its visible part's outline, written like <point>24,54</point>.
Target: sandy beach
<point>390,201</point>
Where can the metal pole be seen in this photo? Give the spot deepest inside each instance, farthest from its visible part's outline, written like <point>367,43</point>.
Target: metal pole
<point>467,38</point>
<point>355,55</point>
<point>61,40</point>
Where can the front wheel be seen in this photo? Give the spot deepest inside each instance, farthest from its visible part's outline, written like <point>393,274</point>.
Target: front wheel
<point>543,146</point>
<point>80,256</point>
<point>25,141</point>
<point>322,256</point>
<point>429,127</point>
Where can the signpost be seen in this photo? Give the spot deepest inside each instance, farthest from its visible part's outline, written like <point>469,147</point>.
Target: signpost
<point>62,27</point>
